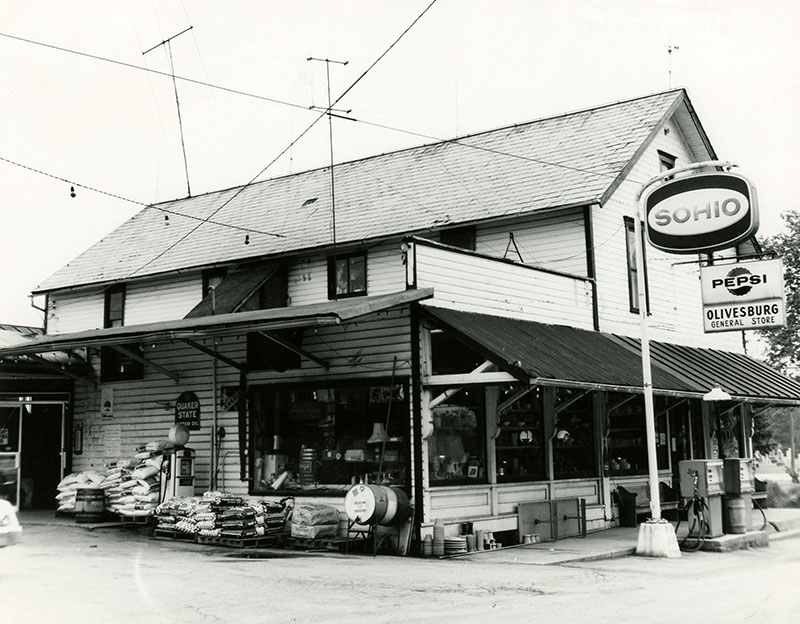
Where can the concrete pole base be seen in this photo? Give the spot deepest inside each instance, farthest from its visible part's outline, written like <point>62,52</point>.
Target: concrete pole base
<point>657,539</point>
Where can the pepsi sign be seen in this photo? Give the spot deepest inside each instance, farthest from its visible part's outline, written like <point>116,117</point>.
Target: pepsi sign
<point>701,213</point>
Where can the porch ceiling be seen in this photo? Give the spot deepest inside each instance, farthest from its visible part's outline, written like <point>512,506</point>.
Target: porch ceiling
<point>554,355</point>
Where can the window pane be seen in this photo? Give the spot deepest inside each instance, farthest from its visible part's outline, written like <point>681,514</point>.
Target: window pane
<point>456,448</point>
<point>342,277</point>
<point>519,444</point>
<point>116,305</point>
<point>358,274</point>
<point>627,436</point>
<point>573,444</point>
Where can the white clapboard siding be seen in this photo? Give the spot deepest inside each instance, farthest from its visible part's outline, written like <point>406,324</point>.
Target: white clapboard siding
<point>474,283</point>
<point>675,300</point>
<point>308,277</point>
<point>555,241</point>
<point>144,409</point>
<point>164,299</point>
<point>72,311</point>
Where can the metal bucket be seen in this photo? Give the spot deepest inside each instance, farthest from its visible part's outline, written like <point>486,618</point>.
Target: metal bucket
<point>90,504</point>
<point>737,518</point>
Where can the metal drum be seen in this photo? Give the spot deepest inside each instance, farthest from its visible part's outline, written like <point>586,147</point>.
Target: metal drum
<point>307,466</point>
<point>375,504</point>
<point>737,518</point>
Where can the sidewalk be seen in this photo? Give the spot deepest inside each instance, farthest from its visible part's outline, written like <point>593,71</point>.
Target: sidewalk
<point>608,544</point>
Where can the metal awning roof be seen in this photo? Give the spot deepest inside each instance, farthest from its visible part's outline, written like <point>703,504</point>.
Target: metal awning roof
<point>327,313</point>
<point>555,355</point>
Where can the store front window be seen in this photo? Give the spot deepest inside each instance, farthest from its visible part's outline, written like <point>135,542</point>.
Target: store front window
<point>627,435</point>
<point>573,438</point>
<point>519,443</point>
<point>457,446</point>
<point>303,438</point>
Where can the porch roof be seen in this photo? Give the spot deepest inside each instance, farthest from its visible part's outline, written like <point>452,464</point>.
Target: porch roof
<point>554,355</point>
<point>327,313</point>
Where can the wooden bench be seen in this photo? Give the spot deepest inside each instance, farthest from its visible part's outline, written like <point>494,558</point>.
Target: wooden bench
<point>634,501</point>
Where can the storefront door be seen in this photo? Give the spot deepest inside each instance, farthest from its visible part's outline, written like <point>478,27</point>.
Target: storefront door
<point>10,445</point>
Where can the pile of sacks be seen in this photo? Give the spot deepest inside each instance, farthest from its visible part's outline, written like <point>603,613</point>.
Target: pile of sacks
<point>132,486</point>
<point>312,521</point>
<point>216,514</point>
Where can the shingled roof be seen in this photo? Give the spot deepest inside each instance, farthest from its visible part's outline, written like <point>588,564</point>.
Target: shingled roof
<point>567,160</point>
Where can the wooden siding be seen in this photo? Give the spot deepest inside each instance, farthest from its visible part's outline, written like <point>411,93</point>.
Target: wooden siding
<point>164,299</point>
<point>554,241</point>
<point>143,409</point>
<point>675,300</point>
<point>474,283</point>
<point>72,311</point>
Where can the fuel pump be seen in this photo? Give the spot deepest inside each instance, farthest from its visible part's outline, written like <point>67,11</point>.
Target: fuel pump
<point>178,466</point>
<point>701,481</point>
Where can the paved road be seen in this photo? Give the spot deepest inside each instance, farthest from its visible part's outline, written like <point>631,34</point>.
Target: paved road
<point>114,576</point>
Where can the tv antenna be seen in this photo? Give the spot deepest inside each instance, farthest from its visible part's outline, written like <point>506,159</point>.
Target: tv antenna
<point>168,44</point>
<point>670,48</point>
<point>331,112</point>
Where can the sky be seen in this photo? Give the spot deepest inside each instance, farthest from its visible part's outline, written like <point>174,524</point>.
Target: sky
<point>81,110</point>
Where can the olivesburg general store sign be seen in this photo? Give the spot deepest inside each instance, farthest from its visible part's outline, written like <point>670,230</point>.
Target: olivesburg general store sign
<point>741,296</point>
<point>701,213</point>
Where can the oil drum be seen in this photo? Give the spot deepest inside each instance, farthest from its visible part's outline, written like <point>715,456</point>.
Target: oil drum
<point>375,504</point>
<point>737,519</point>
<point>307,466</point>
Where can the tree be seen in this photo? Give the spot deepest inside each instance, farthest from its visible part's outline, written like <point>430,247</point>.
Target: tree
<point>783,343</point>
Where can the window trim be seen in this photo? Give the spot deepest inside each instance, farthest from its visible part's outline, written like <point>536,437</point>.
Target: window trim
<point>666,161</point>
<point>633,284</point>
<point>332,260</point>
<point>118,289</point>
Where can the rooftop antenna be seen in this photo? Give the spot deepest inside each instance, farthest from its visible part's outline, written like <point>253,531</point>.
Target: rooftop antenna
<point>670,48</point>
<point>330,112</point>
<point>168,44</point>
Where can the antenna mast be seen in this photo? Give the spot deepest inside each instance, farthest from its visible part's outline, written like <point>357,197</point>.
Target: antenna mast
<point>329,112</point>
<point>168,44</point>
<point>670,48</point>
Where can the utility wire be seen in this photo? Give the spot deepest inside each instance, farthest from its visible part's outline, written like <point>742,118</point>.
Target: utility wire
<point>287,148</point>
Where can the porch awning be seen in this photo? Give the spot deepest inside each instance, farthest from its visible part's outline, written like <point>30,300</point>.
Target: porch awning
<point>555,355</point>
<point>327,313</point>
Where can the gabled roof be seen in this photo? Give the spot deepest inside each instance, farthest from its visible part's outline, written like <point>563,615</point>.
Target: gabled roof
<point>568,160</point>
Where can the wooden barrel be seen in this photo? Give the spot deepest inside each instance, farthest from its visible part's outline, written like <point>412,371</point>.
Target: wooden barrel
<point>375,504</point>
<point>307,466</point>
<point>90,504</point>
<point>737,519</point>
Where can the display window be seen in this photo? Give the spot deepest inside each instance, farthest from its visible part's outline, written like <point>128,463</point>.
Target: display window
<point>626,432</point>
<point>457,446</point>
<point>316,438</point>
<point>574,453</point>
<point>519,443</point>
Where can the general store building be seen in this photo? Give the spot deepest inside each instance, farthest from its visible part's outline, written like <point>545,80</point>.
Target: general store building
<point>473,299</point>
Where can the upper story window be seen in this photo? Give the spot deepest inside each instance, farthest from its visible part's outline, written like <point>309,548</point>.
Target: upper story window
<point>665,161</point>
<point>116,365</point>
<point>633,270</point>
<point>115,306</point>
<point>461,237</point>
<point>347,275</point>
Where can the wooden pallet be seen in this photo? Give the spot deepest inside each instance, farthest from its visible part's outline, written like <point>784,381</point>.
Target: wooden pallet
<point>260,541</point>
<point>320,543</point>
<point>137,520</point>
<point>175,535</point>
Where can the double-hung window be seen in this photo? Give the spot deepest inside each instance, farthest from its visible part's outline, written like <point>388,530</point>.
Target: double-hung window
<point>633,269</point>
<point>115,365</point>
<point>347,275</point>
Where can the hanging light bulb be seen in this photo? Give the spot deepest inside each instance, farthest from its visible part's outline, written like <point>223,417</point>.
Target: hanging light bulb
<point>72,191</point>
<point>246,239</point>
<point>166,219</point>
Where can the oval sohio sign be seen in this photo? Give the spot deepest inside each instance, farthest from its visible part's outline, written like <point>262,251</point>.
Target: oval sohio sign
<point>701,213</point>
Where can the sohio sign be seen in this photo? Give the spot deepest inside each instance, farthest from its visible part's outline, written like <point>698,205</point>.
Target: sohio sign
<point>701,213</point>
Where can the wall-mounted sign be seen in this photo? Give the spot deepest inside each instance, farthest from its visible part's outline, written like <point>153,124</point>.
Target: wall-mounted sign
<point>701,213</point>
<point>743,296</point>
<point>187,411</point>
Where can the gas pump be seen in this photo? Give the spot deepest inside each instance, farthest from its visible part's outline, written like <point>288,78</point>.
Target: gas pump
<point>739,487</point>
<point>177,468</point>
<point>701,479</point>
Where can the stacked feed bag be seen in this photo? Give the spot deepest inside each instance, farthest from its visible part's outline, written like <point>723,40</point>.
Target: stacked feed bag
<point>69,486</point>
<point>179,513</point>
<point>313,521</point>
